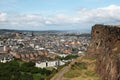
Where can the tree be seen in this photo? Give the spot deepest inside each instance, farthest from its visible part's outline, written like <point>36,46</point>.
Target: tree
<point>26,76</point>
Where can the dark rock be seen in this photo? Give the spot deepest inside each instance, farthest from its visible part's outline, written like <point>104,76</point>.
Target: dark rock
<point>105,47</point>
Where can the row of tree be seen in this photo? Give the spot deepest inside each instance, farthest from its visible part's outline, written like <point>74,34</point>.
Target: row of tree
<point>68,57</point>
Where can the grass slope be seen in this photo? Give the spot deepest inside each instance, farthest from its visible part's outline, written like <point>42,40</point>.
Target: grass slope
<point>82,69</point>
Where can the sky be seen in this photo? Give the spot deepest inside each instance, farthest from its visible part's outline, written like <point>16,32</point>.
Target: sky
<point>58,14</point>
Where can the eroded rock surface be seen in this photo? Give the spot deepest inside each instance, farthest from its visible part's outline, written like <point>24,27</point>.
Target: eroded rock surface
<point>105,47</point>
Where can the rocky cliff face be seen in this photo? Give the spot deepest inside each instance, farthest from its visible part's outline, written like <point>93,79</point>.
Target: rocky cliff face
<point>105,47</point>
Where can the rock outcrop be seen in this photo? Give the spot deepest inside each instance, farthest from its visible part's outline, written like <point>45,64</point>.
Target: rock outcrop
<point>105,47</point>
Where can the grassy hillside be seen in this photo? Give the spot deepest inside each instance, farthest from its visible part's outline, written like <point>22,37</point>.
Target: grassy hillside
<point>82,69</point>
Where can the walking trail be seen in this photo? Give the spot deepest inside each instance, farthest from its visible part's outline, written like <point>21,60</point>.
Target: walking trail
<point>60,74</point>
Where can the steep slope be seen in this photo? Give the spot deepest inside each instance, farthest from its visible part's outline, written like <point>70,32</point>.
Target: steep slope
<point>105,47</point>
<point>82,69</point>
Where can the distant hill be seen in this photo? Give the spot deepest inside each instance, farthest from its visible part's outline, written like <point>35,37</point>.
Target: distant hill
<point>13,30</point>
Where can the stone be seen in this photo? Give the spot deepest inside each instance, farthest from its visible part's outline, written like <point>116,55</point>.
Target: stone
<point>105,47</point>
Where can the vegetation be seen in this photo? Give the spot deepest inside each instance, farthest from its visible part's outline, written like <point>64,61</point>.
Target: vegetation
<point>82,70</point>
<point>68,57</point>
<point>18,70</point>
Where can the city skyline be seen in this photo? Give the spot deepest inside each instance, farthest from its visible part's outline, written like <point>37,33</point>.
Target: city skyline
<point>57,14</point>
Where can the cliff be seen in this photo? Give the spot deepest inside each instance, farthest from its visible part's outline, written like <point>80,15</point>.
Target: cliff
<point>105,47</point>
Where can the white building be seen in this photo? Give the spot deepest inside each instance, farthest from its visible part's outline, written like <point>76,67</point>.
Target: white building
<point>5,58</point>
<point>62,55</point>
<point>40,65</point>
<point>49,64</point>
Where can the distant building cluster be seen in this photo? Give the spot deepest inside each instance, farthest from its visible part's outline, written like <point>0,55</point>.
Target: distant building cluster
<point>41,46</point>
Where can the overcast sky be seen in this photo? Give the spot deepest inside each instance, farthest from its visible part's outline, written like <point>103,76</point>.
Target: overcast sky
<point>57,14</point>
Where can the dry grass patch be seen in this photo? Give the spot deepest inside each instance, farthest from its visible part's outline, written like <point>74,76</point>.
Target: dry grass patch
<point>82,70</point>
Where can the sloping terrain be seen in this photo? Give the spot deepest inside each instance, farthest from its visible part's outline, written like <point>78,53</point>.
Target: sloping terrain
<point>82,69</point>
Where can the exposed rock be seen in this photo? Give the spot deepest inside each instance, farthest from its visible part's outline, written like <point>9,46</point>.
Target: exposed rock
<point>105,47</point>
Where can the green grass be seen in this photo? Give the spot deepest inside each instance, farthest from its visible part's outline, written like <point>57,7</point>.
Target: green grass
<point>76,70</point>
<point>82,70</point>
<point>38,76</point>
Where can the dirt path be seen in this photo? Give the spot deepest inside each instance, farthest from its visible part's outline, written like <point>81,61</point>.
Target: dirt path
<point>60,74</point>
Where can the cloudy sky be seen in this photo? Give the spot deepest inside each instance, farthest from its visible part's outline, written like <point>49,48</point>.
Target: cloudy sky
<point>57,14</point>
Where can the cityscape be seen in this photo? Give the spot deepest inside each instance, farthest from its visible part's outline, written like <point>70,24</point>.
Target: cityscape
<point>34,46</point>
<point>44,48</point>
<point>59,40</point>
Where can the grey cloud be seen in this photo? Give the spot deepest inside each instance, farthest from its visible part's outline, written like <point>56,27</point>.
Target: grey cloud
<point>105,15</point>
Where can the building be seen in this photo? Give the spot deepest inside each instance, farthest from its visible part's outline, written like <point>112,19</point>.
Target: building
<point>6,58</point>
<point>49,64</point>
